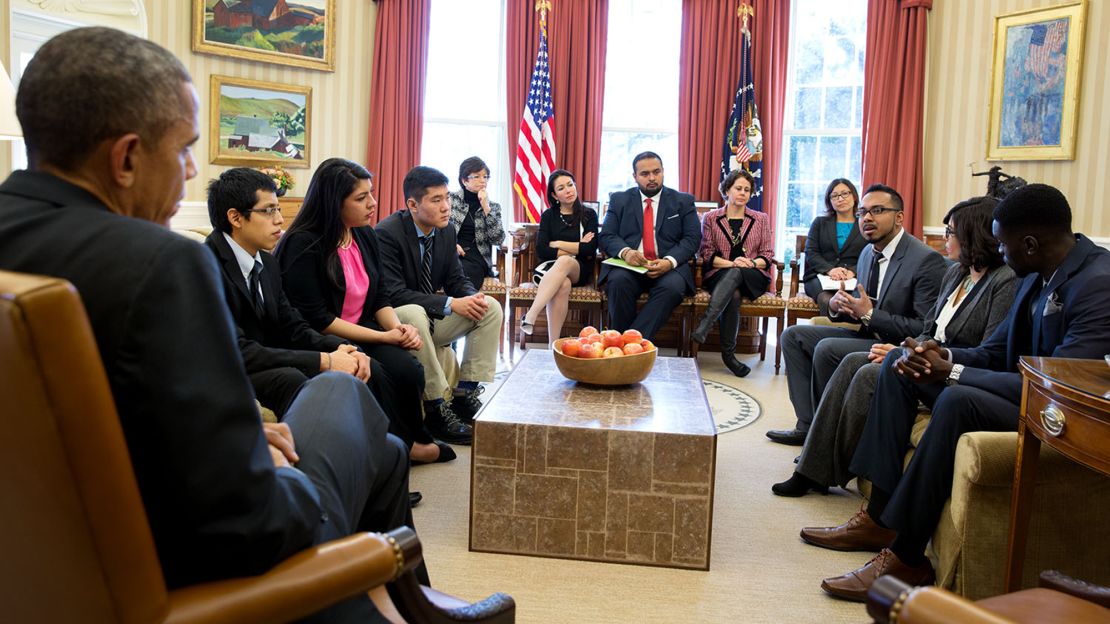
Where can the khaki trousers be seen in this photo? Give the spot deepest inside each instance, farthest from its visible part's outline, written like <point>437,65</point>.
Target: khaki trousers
<point>479,360</point>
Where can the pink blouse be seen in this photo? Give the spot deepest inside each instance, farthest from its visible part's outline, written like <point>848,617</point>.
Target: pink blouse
<point>358,283</point>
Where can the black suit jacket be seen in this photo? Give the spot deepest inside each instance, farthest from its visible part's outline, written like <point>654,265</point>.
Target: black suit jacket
<point>304,269</point>
<point>677,228</point>
<point>280,337</point>
<point>822,252</point>
<point>216,505</point>
<point>401,264</point>
<point>1070,319</point>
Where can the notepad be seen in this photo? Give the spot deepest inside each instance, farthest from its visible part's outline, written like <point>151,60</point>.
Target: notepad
<point>617,262</point>
<point>828,283</point>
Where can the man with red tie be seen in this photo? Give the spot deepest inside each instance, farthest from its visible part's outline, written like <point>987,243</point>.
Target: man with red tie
<point>653,227</point>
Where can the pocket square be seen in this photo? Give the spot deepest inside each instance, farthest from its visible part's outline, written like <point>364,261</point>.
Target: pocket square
<point>673,217</point>
<point>1052,306</point>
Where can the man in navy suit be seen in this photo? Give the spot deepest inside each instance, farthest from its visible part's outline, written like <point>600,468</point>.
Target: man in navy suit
<point>654,227</point>
<point>1062,309</point>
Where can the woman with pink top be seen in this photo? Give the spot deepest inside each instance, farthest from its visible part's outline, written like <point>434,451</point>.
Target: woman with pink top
<point>331,272</point>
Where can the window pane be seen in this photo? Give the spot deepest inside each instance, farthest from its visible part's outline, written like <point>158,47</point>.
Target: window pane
<point>617,151</point>
<point>446,145</point>
<point>833,156</point>
<point>838,107</point>
<point>801,199</point>
<point>858,122</point>
<point>810,65</point>
<point>855,156</point>
<point>641,87</point>
<point>464,50</point>
<point>807,109</point>
<point>840,61</point>
<point>803,158</point>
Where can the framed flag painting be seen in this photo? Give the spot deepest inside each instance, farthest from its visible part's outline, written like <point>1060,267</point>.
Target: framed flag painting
<point>288,32</point>
<point>1038,56</point>
<point>255,123</point>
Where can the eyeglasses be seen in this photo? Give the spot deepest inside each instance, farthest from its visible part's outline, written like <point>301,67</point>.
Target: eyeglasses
<point>844,195</point>
<point>477,177</point>
<point>270,212</point>
<point>874,212</point>
<point>947,231</point>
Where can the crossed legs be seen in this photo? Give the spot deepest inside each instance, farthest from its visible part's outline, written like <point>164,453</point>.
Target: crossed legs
<point>554,293</point>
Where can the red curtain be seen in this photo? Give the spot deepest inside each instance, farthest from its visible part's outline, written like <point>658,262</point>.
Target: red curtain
<point>709,69</point>
<point>894,100</point>
<point>577,33</point>
<point>397,98</point>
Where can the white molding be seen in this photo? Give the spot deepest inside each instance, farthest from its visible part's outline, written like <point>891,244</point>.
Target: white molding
<point>1101,241</point>
<point>128,15</point>
<point>192,214</point>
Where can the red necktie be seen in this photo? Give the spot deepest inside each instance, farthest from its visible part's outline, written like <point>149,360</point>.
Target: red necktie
<point>649,232</point>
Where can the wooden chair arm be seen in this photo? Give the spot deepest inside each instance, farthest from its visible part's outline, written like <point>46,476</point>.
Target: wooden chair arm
<point>1098,594</point>
<point>891,600</point>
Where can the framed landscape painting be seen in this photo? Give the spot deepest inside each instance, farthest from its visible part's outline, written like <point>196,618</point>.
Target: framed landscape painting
<point>254,123</point>
<point>1038,56</point>
<point>289,32</point>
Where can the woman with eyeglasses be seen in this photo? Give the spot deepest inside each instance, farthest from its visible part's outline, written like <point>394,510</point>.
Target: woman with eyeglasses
<point>737,245</point>
<point>566,242</point>
<point>975,296</point>
<point>331,268</point>
<point>477,221</point>
<point>834,243</point>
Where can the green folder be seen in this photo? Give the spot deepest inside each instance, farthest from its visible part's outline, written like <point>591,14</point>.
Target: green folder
<point>624,265</point>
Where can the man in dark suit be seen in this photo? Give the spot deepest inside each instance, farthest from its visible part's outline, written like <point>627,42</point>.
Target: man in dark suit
<point>108,167</point>
<point>419,259</point>
<point>899,279</point>
<point>654,227</point>
<point>1062,309</point>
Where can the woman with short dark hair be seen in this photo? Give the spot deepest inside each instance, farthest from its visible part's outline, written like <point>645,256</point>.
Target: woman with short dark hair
<point>477,221</point>
<point>834,242</point>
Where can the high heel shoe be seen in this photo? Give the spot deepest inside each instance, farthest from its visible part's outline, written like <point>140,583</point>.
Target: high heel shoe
<point>527,327</point>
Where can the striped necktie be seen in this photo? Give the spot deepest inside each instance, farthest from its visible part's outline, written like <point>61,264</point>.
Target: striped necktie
<point>426,266</point>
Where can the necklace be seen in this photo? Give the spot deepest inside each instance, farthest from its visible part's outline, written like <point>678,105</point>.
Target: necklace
<point>735,236</point>
<point>568,220</point>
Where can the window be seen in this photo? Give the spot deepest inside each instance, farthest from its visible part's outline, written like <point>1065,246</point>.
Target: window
<point>641,90</point>
<point>464,95</point>
<point>824,109</point>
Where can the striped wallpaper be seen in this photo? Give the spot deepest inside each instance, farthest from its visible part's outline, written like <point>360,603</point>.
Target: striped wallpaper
<point>957,98</point>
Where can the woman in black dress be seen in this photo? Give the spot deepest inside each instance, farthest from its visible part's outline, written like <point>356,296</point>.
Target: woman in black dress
<point>567,245</point>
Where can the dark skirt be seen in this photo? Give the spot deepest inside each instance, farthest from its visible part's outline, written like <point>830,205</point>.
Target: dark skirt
<point>475,267</point>
<point>753,283</point>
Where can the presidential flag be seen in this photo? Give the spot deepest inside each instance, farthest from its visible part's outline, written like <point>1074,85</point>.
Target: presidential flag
<point>743,146</point>
<point>535,149</point>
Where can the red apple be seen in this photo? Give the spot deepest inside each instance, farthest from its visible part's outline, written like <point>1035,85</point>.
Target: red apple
<point>594,338</point>
<point>587,331</point>
<point>632,335</point>
<point>571,347</point>
<point>612,338</point>
<point>589,352</point>
<point>613,352</point>
<point>648,345</point>
<point>633,348</point>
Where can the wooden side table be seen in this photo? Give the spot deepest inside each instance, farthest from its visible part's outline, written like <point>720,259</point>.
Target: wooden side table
<point>1065,403</point>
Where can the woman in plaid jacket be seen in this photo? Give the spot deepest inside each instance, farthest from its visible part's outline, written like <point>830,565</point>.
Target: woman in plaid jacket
<point>477,221</point>
<point>737,245</point>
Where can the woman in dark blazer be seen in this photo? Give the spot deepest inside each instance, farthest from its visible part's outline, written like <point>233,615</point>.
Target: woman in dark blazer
<point>976,294</point>
<point>834,242</point>
<point>477,221</point>
<point>330,266</point>
<point>737,245</point>
<point>567,244</point>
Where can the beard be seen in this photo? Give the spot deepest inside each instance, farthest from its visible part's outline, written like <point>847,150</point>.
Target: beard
<point>651,192</point>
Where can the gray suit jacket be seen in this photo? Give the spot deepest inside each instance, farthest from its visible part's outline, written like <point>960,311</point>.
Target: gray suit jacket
<point>980,312</point>
<point>908,292</point>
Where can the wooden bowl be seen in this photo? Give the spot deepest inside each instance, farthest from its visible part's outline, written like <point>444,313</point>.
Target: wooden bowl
<point>616,371</point>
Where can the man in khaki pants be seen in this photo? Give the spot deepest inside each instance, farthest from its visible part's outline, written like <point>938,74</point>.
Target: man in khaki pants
<point>419,259</point>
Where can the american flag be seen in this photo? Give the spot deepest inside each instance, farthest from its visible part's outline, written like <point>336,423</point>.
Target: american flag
<point>1046,40</point>
<point>535,149</point>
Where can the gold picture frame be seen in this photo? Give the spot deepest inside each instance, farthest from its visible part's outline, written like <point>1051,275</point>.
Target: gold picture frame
<point>255,123</point>
<point>1037,64</point>
<point>300,33</point>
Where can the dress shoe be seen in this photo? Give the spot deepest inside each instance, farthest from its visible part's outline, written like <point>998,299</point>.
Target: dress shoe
<point>415,498</point>
<point>445,425</point>
<point>446,454</point>
<point>798,485</point>
<point>737,367</point>
<point>526,327</point>
<point>466,405</point>
<point>854,585</point>
<point>789,437</point>
<point>859,533</point>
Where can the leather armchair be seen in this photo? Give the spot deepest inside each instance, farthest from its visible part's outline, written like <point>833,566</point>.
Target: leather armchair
<point>75,538</point>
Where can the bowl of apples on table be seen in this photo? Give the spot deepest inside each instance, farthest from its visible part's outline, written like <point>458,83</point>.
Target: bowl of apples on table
<point>605,358</point>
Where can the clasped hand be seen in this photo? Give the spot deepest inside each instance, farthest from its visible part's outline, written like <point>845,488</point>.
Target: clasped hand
<point>406,337</point>
<point>923,362</point>
<point>280,440</point>
<point>473,307</point>
<point>350,360</point>
<point>844,303</point>
<point>743,263</point>
<point>840,273</point>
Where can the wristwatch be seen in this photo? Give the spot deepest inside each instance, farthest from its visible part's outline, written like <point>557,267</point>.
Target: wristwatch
<point>954,376</point>
<point>866,319</point>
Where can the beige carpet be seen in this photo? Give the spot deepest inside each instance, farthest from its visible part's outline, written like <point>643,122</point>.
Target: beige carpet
<point>760,570</point>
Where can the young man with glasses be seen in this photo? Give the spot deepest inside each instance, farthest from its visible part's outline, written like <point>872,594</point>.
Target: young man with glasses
<point>899,279</point>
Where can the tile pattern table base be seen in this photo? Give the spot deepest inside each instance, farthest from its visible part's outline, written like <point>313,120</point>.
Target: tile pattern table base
<point>621,475</point>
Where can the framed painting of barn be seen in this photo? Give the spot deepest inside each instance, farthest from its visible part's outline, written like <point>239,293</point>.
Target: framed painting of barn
<point>254,123</point>
<point>288,32</point>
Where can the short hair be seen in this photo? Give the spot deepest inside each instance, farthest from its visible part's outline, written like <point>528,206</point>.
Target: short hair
<point>644,156</point>
<point>88,85</point>
<point>978,246</point>
<point>1038,205</point>
<point>471,166</point>
<point>882,188</point>
<point>419,179</point>
<point>235,188</point>
<point>829,210</point>
<point>731,179</point>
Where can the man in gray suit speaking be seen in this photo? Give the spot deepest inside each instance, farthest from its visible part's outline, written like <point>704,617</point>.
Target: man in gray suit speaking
<point>899,279</point>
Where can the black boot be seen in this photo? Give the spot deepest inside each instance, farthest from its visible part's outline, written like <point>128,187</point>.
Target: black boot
<point>718,301</point>
<point>737,367</point>
<point>730,323</point>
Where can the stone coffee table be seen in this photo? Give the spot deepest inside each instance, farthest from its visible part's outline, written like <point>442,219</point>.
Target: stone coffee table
<point>622,474</point>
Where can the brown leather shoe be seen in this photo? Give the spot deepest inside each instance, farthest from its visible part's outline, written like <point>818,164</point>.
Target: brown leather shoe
<point>854,585</point>
<point>858,533</point>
